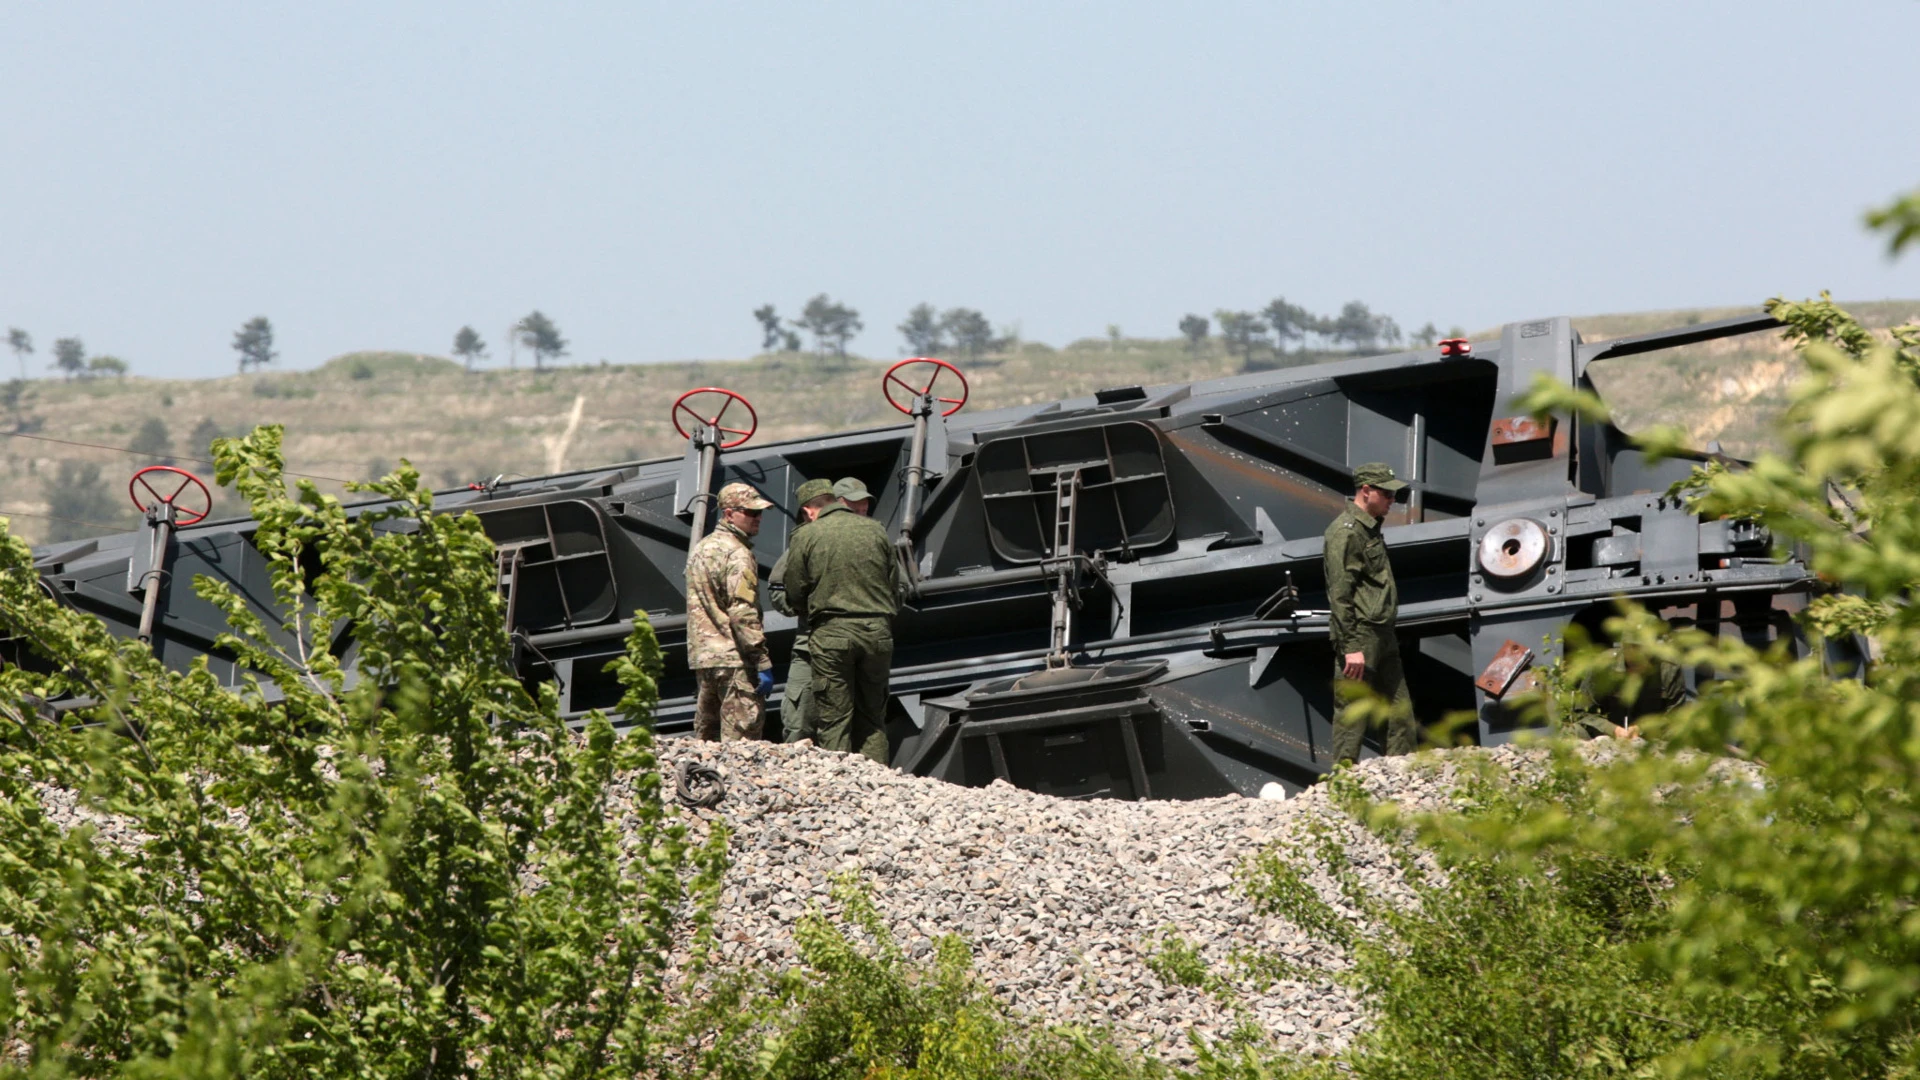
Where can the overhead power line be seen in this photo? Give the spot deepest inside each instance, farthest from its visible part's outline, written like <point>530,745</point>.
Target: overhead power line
<point>54,517</point>
<point>146,454</point>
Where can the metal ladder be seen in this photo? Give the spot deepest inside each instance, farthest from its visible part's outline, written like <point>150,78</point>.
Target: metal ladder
<point>1066,497</point>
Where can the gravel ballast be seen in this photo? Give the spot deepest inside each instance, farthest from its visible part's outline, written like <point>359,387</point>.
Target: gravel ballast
<point>1062,901</point>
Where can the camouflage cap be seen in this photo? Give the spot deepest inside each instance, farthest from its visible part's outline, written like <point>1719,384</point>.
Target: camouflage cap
<point>811,490</point>
<point>1378,474</point>
<point>741,496</point>
<point>848,487</point>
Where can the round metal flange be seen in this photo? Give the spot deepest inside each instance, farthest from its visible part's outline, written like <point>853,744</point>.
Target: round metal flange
<point>1514,548</point>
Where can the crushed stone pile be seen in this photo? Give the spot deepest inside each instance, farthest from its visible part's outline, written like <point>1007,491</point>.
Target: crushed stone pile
<point>1061,901</point>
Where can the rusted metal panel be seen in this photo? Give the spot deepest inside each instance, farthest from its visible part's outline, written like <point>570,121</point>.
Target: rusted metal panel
<point>1511,430</point>
<point>1506,666</point>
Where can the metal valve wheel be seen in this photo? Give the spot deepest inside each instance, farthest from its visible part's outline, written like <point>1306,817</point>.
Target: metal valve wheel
<point>161,490</point>
<point>700,418</point>
<point>933,370</point>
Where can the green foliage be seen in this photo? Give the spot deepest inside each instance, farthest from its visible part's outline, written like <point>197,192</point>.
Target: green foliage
<point>468,346</point>
<point>1901,219</point>
<point>153,439</point>
<point>1194,328</point>
<point>200,439</point>
<point>70,356</point>
<point>81,503</point>
<point>1735,897</point>
<point>921,329</point>
<point>106,365</point>
<point>253,343</point>
<point>831,323</point>
<point>412,871</point>
<point>1497,967</point>
<point>538,333</point>
<point>21,343</point>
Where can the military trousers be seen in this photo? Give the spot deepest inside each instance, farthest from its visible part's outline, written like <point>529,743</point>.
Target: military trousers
<point>852,659</point>
<point>1387,678</point>
<point>796,699</point>
<point>729,708</point>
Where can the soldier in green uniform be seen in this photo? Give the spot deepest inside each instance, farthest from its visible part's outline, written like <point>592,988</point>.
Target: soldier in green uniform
<point>842,572</point>
<point>1364,603</point>
<point>726,644</point>
<point>1613,701</point>
<point>796,701</point>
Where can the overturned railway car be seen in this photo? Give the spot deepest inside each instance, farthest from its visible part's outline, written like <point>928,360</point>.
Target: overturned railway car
<point>1119,595</point>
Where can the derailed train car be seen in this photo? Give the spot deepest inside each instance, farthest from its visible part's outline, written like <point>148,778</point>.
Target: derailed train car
<point>1118,595</point>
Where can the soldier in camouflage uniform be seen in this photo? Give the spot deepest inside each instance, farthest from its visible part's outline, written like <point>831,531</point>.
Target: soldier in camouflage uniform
<point>796,700</point>
<point>1364,602</point>
<point>726,645</point>
<point>842,571</point>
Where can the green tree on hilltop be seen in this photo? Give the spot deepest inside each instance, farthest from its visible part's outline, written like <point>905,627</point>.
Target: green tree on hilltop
<point>969,330</point>
<point>21,343</point>
<point>70,356</point>
<point>468,346</point>
<point>923,331</point>
<point>539,334</point>
<point>100,366</point>
<point>1289,322</point>
<point>253,343</point>
<point>831,323</point>
<point>1242,331</point>
<point>1194,328</point>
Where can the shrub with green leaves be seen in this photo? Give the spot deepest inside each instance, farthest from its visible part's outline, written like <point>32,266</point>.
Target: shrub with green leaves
<point>1734,898</point>
<point>407,870</point>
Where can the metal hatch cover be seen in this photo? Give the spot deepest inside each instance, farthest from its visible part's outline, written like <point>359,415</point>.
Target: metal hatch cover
<point>1126,501</point>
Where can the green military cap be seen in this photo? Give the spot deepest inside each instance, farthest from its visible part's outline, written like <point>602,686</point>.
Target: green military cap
<point>812,490</point>
<point>848,487</point>
<point>1378,474</point>
<point>741,496</point>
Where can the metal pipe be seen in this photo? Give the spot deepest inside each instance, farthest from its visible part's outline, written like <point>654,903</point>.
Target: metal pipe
<point>708,441</point>
<point>150,606</point>
<point>603,632</point>
<point>916,478</point>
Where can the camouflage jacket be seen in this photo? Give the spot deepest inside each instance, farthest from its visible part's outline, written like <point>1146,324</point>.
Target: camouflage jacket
<point>723,604</point>
<point>1361,596</point>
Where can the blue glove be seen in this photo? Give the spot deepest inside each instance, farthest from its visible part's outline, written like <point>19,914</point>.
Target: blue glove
<point>766,684</point>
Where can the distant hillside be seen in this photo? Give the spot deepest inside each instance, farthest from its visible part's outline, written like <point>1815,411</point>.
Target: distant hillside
<point>357,415</point>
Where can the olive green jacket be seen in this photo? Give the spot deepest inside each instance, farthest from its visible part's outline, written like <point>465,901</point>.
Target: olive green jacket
<point>841,565</point>
<point>1361,595</point>
<point>777,593</point>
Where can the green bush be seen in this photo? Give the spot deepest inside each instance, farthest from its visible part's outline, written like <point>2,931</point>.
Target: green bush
<point>407,873</point>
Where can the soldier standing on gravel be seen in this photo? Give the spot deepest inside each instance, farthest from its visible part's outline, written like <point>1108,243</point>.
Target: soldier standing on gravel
<point>1363,603</point>
<point>842,572</point>
<point>796,701</point>
<point>726,645</point>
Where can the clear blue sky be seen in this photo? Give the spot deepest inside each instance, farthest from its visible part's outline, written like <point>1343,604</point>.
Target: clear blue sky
<point>374,175</point>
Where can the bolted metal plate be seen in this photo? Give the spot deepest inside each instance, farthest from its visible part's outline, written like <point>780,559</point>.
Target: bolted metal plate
<point>1513,548</point>
<point>1506,666</point>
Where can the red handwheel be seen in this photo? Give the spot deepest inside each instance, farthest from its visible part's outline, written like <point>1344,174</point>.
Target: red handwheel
<point>701,419</point>
<point>158,482</point>
<point>938,368</point>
